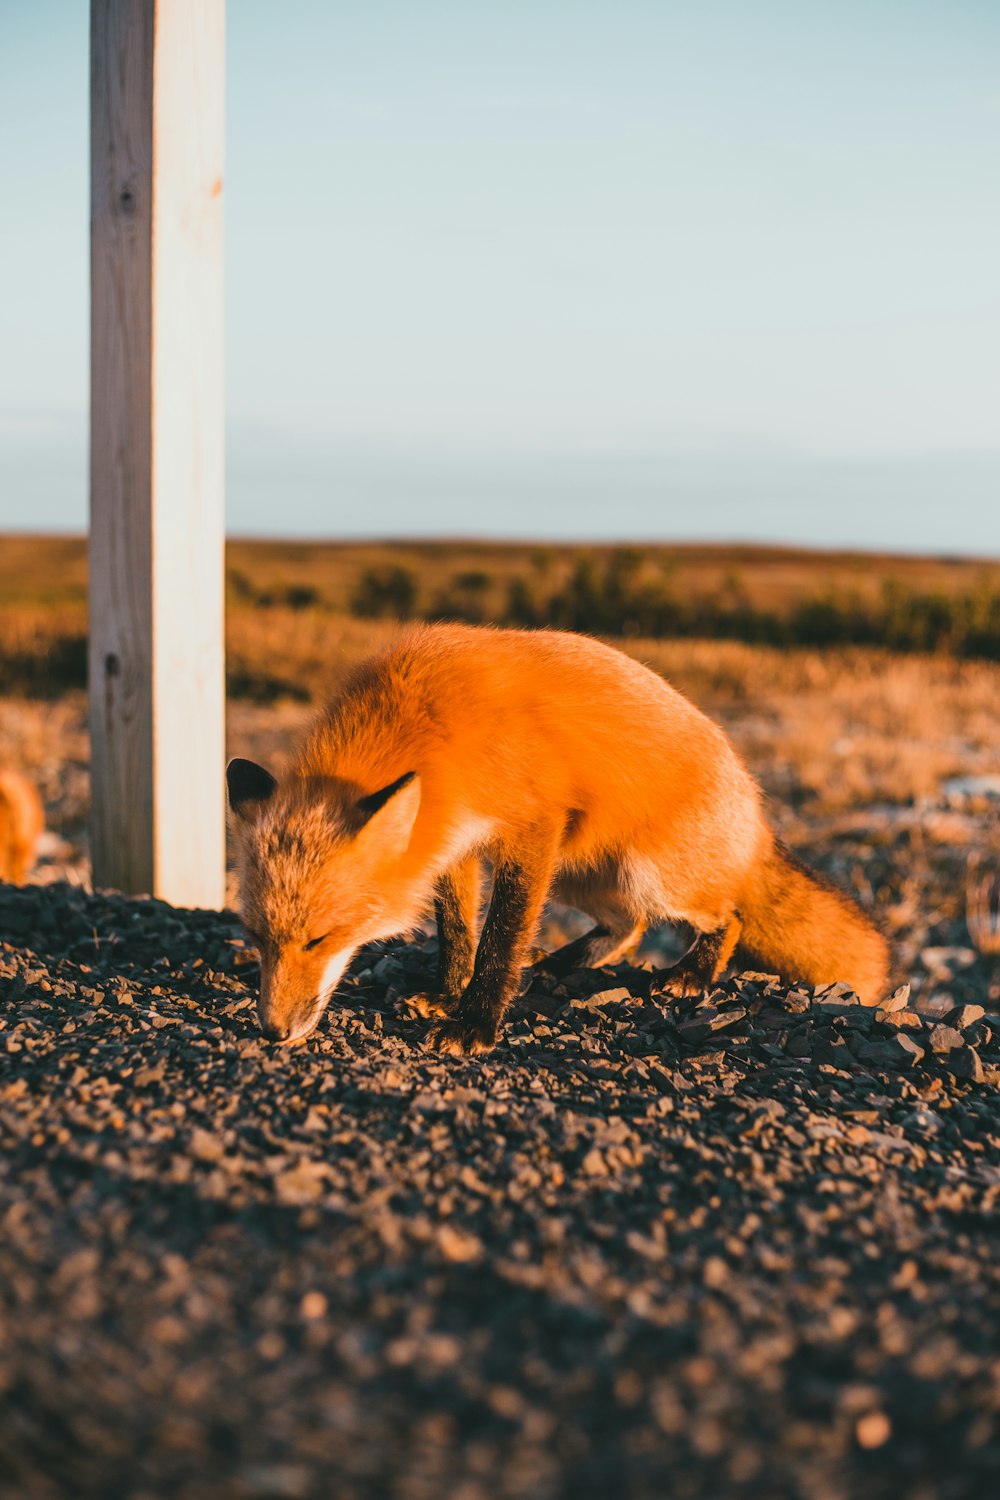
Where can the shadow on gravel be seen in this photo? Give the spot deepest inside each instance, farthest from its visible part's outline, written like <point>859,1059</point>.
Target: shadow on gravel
<point>745,1245</point>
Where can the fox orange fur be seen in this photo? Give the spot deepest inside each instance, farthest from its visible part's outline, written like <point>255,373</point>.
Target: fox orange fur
<point>577,772</point>
<point>21,822</point>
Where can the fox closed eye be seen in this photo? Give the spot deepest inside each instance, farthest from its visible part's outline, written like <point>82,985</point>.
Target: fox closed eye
<point>314,942</point>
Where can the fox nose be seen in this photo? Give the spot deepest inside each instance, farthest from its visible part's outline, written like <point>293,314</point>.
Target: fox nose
<point>275,1031</point>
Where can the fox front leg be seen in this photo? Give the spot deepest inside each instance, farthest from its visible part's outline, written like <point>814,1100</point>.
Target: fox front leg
<point>519,889</point>
<point>457,908</point>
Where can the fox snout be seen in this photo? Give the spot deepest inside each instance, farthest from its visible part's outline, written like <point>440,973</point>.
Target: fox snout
<point>289,1005</point>
<point>292,999</point>
<point>284,1008</point>
<point>277,1027</point>
<point>274,1031</point>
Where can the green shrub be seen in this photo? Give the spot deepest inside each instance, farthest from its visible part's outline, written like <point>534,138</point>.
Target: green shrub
<point>387,591</point>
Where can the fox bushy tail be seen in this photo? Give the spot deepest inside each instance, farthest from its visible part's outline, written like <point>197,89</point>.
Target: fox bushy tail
<point>796,924</point>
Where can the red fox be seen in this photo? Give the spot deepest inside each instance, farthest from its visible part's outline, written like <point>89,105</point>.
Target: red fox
<point>577,772</point>
<point>21,822</point>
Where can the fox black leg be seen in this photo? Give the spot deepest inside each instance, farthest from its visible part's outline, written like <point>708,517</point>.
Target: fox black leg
<point>703,963</point>
<point>456,906</point>
<point>599,946</point>
<point>519,889</point>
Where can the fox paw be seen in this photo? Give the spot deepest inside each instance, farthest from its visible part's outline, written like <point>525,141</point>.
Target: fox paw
<point>432,1006</point>
<point>678,984</point>
<point>461,1038</point>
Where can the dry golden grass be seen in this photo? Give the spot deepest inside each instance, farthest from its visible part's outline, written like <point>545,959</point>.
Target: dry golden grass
<point>301,654</point>
<point>32,629</point>
<point>47,569</point>
<point>842,728</point>
<point>832,729</point>
<point>42,570</point>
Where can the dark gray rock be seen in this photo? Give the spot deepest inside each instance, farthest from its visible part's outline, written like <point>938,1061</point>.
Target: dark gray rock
<point>967,1064</point>
<point>896,1053</point>
<point>647,1246</point>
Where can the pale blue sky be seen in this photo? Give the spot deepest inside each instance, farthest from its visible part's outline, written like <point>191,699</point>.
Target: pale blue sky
<point>550,267</point>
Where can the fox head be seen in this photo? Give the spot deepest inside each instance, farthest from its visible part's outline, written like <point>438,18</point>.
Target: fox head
<point>321,873</point>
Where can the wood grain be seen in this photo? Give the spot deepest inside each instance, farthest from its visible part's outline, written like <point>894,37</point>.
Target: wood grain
<point>156,477</point>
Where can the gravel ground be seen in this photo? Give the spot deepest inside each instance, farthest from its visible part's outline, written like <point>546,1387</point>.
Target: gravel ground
<point>740,1246</point>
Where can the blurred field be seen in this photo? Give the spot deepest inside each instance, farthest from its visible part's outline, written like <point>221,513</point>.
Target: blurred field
<point>825,728</point>
<point>287,602</point>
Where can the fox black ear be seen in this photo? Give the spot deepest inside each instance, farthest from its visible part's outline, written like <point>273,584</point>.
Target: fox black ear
<point>247,782</point>
<point>368,806</point>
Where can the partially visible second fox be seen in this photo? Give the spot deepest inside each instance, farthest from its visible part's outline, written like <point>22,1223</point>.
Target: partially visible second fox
<point>21,823</point>
<point>577,772</point>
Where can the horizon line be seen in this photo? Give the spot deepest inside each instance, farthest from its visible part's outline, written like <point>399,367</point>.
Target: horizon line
<point>830,550</point>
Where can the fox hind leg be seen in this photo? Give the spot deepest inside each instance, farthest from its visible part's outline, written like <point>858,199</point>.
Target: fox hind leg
<point>601,945</point>
<point>704,963</point>
<point>618,926</point>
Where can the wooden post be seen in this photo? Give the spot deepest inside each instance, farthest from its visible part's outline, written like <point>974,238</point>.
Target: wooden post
<point>157,693</point>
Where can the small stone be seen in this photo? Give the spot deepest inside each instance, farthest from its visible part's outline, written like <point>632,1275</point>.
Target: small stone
<point>898,1000</point>
<point>205,1146</point>
<point>900,1020</point>
<point>715,1272</point>
<point>313,1306</point>
<point>797,1001</point>
<point>458,1245</point>
<point>145,1076</point>
<point>923,1120</point>
<point>618,996</point>
<point>835,1004</point>
<point>839,991</point>
<point>301,1184</point>
<point>944,1039</point>
<point>594,1164</point>
<point>708,1019</point>
<point>967,1064</point>
<point>873,1430</point>
<point>964,1016</point>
